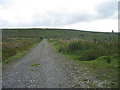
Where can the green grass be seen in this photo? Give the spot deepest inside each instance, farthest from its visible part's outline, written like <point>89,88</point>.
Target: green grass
<point>16,56</point>
<point>104,70</point>
<point>36,65</point>
<point>104,62</point>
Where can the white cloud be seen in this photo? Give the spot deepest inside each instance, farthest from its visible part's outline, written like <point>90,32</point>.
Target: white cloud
<point>1,6</point>
<point>105,25</point>
<point>52,13</point>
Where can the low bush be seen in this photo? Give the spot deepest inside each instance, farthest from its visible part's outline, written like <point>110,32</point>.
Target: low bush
<point>108,59</point>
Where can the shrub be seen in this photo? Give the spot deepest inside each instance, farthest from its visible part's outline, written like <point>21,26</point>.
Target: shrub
<point>41,38</point>
<point>108,59</point>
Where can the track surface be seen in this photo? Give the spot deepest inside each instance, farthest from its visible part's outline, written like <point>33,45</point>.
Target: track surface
<point>54,71</point>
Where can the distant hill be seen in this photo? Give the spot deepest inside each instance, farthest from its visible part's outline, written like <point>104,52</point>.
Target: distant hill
<point>59,34</point>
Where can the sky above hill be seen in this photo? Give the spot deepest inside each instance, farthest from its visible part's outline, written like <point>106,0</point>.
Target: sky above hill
<point>91,15</point>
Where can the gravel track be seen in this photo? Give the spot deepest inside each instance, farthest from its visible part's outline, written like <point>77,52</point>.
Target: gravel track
<point>55,71</point>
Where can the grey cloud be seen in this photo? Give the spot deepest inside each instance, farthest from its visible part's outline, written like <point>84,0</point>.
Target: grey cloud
<point>80,17</point>
<point>61,19</point>
<point>106,9</point>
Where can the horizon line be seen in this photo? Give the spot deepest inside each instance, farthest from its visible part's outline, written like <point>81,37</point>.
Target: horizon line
<point>52,28</point>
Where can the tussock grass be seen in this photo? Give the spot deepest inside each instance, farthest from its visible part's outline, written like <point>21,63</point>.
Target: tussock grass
<point>87,50</point>
<point>15,49</point>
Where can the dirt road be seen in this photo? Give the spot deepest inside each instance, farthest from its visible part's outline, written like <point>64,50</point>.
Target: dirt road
<point>54,71</point>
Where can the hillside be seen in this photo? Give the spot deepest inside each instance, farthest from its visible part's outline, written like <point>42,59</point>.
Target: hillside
<point>84,58</point>
<point>59,33</point>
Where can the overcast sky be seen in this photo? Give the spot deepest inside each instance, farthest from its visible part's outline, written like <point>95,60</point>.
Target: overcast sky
<point>91,15</point>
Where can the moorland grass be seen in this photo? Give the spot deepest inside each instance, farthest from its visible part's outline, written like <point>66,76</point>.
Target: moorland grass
<point>15,49</point>
<point>99,58</point>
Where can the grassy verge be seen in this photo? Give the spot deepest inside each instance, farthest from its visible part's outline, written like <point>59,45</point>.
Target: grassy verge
<point>99,58</point>
<point>16,49</point>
